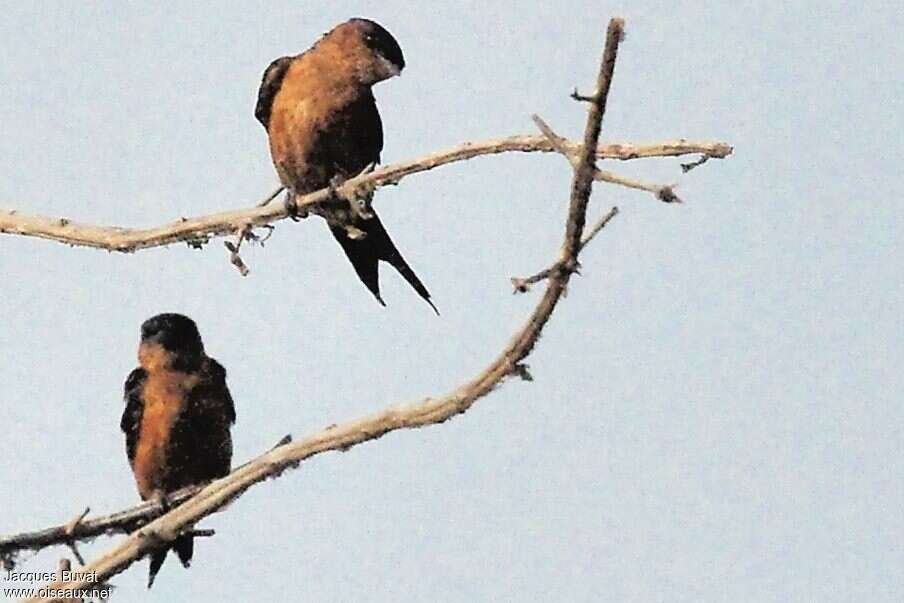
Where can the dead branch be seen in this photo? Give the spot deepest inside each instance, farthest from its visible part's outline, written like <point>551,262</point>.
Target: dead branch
<point>87,528</point>
<point>197,231</point>
<point>83,529</point>
<point>663,192</point>
<point>429,411</point>
<point>522,285</point>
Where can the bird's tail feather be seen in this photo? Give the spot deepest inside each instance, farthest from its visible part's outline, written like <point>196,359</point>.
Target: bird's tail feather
<point>365,253</point>
<point>184,547</point>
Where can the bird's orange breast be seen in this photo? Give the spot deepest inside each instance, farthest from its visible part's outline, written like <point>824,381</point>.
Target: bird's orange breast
<point>312,94</point>
<point>164,397</point>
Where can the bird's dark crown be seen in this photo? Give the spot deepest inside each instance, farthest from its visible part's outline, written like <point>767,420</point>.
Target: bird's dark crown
<point>380,41</point>
<point>175,332</point>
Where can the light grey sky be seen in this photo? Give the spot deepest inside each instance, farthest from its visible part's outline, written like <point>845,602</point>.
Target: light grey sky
<point>717,407</point>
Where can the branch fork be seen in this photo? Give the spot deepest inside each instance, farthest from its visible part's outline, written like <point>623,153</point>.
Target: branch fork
<point>201,502</point>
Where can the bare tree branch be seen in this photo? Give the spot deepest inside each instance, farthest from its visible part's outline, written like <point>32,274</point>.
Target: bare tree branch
<point>87,529</point>
<point>197,503</point>
<point>426,412</point>
<point>663,192</point>
<point>522,285</point>
<point>197,231</point>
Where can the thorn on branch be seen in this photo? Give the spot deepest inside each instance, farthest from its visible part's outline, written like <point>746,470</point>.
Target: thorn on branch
<point>581,97</point>
<point>271,197</point>
<point>286,439</point>
<point>72,525</point>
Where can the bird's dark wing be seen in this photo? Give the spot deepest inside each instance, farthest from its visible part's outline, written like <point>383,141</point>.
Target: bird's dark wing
<point>270,84</point>
<point>214,392</point>
<point>131,416</point>
<point>200,447</point>
<point>353,137</point>
<point>353,140</point>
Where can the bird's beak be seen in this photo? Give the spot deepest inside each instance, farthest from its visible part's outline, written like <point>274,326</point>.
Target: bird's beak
<point>390,68</point>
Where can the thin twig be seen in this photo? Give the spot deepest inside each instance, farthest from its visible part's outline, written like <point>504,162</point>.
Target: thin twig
<point>271,197</point>
<point>426,412</point>
<point>196,231</point>
<point>663,193</point>
<point>124,521</point>
<point>73,548</point>
<point>522,285</point>
<point>87,529</point>
<point>234,258</point>
<point>72,525</point>
<point>686,167</point>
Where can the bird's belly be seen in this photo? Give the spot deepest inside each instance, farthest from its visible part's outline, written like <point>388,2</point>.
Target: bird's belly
<point>164,400</point>
<point>297,149</point>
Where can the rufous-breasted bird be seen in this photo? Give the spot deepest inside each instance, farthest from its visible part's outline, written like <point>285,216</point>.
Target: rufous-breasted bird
<point>177,418</point>
<point>324,127</point>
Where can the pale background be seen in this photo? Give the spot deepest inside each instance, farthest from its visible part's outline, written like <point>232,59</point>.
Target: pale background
<point>717,407</point>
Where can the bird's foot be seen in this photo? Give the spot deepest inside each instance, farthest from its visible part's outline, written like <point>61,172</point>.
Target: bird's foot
<point>354,233</point>
<point>364,194</point>
<point>360,205</point>
<point>358,200</point>
<point>341,219</point>
<point>292,208</point>
<point>163,500</point>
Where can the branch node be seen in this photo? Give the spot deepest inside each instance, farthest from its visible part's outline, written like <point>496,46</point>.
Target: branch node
<point>667,194</point>
<point>557,142</point>
<point>520,285</point>
<point>197,242</point>
<point>522,371</point>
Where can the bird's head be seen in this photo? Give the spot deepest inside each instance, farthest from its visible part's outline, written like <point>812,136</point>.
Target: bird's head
<point>172,334</point>
<point>374,52</point>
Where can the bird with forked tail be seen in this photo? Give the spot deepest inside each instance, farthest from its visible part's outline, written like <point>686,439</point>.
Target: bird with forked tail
<point>324,127</point>
<point>177,418</point>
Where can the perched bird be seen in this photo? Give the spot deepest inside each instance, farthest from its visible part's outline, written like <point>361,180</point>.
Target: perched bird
<point>324,127</point>
<point>177,418</point>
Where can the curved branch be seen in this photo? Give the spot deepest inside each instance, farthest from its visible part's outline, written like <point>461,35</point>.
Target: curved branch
<point>198,230</point>
<point>426,412</point>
